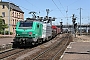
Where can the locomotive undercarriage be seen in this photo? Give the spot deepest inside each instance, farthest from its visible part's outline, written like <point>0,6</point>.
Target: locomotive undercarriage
<point>25,41</point>
<point>17,42</point>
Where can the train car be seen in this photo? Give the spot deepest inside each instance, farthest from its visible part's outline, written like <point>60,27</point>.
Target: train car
<point>47,31</point>
<point>56,30</point>
<point>31,32</point>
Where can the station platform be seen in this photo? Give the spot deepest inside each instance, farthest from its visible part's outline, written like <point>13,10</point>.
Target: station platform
<point>77,51</point>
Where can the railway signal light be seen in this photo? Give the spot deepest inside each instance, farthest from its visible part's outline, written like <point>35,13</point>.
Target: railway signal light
<point>73,20</point>
<point>61,26</point>
<point>75,25</point>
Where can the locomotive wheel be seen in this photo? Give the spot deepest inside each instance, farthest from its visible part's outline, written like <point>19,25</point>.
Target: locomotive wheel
<point>14,45</point>
<point>44,39</point>
<point>33,43</point>
<point>40,41</point>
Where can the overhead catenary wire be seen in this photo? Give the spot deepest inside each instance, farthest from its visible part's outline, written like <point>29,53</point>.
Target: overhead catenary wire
<point>33,5</point>
<point>61,4</point>
<point>65,10</point>
<point>58,8</point>
<point>30,3</point>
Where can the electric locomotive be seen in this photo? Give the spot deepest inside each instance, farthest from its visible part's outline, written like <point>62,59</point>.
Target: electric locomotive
<point>31,32</point>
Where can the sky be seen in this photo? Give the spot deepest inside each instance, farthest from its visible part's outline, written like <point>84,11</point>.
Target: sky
<point>62,10</point>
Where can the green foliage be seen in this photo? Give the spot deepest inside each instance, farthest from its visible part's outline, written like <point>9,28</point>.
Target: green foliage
<point>2,24</point>
<point>6,33</point>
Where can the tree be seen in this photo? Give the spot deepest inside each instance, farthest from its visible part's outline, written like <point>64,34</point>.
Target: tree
<point>2,24</point>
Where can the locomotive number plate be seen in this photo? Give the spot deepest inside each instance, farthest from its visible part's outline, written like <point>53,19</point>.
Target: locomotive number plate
<point>24,33</point>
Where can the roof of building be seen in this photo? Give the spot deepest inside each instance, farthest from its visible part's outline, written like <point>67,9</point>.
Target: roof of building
<point>13,6</point>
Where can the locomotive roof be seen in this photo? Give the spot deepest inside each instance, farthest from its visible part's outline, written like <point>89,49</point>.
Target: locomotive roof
<point>35,20</point>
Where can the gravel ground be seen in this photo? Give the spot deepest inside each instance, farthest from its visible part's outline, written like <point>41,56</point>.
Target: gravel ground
<point>82,38</point>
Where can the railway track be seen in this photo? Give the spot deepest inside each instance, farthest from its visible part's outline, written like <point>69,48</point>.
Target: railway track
<point>60,50</point>
<point>50,52</point>
<point>9,53</point>
<point>53,52</point>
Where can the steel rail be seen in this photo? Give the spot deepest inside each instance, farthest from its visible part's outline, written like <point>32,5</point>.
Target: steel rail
<point>47,50</point>
<point>7,50</point>
<point>60,50</point>
<point>11,54</point>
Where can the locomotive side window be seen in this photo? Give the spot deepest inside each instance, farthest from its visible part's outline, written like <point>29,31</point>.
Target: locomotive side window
<point>38,25</point>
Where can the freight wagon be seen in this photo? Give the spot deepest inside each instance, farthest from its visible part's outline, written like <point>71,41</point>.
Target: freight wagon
<point>56,29</point>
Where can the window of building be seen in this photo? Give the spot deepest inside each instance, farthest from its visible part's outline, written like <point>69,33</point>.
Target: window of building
<point>13,14</point>
<point>17,15</point>
<point>3,6</point>
<point>3,14</point>
<point>13,21</point>
<point>22,15</point>
<point>13,29</point>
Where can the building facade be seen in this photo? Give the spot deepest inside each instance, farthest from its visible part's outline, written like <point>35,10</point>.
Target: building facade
<point>11,14</point>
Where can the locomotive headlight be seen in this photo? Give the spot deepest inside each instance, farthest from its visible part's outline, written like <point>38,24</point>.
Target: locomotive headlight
<point>17,34</point>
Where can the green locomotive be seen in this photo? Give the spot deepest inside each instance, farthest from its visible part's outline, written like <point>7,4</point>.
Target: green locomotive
<point>31,32</point>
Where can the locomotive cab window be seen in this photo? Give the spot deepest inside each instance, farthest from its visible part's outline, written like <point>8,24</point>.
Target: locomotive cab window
<point>26,24</point>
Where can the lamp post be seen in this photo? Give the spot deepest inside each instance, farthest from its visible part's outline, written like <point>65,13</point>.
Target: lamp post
<point>80,21</point>
<point>9,17</point>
